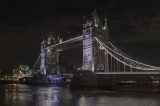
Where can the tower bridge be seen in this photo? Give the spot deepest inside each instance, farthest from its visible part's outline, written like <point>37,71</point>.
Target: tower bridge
<point>99,54</point>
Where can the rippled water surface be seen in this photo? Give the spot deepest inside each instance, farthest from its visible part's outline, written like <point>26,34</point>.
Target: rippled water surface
<point>24,95</point>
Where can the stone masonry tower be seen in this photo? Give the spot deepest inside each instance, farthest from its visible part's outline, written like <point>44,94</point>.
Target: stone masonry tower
<point>88,59</point>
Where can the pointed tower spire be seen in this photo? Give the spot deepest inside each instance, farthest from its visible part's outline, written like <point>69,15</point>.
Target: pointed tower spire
<point>95,18</point>
<point>105,27</point>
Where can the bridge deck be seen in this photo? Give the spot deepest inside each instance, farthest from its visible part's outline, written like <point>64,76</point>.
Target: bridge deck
<point>149,73</point>
<point>121,73</point>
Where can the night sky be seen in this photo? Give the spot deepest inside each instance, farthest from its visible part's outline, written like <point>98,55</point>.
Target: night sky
<point>134,27</point>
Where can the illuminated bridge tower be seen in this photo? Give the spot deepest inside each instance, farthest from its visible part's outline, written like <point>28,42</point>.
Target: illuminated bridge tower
<point>49,63</point>
<point>93,55</point>
<point>51,55</point>
<point>42,55</point>
<point>88,59</point>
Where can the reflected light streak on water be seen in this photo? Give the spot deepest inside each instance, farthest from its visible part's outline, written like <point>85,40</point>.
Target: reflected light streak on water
<point>24,95</point>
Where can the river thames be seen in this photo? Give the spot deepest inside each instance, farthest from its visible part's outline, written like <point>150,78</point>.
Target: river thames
<point>26,95</point>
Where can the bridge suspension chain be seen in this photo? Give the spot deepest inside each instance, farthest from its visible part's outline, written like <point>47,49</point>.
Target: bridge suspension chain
<point>131,58</point>
<point>37,61</point>
<point>126,60</point>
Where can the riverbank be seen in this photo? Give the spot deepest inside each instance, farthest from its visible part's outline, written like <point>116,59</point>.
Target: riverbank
<point>89,80</point>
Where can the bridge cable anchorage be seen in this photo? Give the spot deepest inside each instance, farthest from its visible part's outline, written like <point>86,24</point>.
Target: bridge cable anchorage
<point>125,59</point>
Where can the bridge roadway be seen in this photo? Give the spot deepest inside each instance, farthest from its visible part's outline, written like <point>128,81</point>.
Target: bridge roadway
<point>129,74</point>
<point>113,78</point>
<point>123,73</point>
